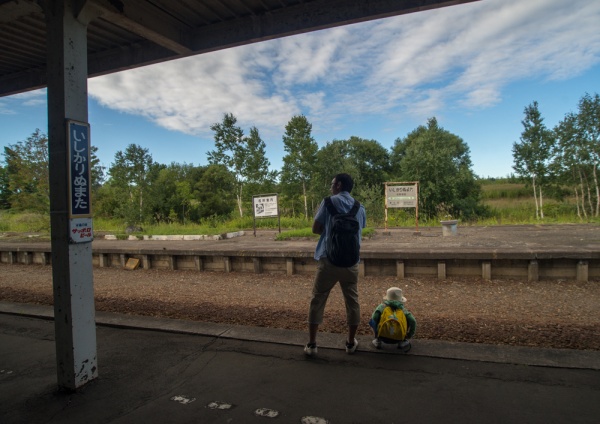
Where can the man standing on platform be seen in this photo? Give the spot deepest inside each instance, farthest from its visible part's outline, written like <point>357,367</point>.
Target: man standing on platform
<point>339,221</point>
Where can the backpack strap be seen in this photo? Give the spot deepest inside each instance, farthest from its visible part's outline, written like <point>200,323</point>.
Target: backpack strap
<point>354,209</point>
<point>329,205</point>
<point>333,211</point>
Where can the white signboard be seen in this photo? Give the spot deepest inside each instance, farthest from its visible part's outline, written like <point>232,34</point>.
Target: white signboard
<point>265,206</point>
<point>401,196</point>
<point>81,230</point>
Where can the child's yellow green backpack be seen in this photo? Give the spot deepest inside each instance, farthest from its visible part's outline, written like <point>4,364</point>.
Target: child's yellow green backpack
<point>392,324</point>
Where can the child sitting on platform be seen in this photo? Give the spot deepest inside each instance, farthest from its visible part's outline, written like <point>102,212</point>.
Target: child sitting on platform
<point>392,323</point>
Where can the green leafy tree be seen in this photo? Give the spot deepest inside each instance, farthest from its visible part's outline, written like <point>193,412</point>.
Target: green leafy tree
<point>365,160</point>
<point>97,169</point>
<point>570,159</point>
<point>256,165</point>
<point>299,161</point>
<point>230,151</point>
<point>588,123</point>
<point>131,175</point>
<point>170,199</point>
<point>331,159</point>
<point>533,153</point>
<point>440,161</point>
<point>27,173</point>
<point>97,175</point>
<point>213,191</point>
<point>371,160</point>
<point>4,188</point>
<point>577,152</point>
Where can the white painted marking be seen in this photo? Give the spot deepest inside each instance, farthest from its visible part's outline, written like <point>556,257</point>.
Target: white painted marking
<point>266,412</point>
<point>182,399</point>
<point>219,405</point>
<point>313,420</point>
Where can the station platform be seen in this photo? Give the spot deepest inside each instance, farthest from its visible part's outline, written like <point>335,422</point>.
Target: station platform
<point>159,370</point>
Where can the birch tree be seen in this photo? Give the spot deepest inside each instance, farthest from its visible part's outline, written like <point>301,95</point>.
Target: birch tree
<point>244,157</point>
<point>299,162</point>
<point>532,154</point>
<point>588,125</point>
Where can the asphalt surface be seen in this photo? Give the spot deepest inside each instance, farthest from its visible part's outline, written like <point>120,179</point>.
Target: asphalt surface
<point>169,371</point>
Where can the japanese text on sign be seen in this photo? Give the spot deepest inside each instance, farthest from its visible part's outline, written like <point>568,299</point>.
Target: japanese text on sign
<point>79,170</point>
<point>265,206</point>
<point>81,230</point>
<point>401,196</point>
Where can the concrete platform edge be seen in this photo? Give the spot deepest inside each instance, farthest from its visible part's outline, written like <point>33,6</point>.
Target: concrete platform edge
<point>521,355</point>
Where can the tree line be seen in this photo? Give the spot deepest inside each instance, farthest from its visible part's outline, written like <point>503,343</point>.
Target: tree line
<point>135,189</point>
<point>562,161</point>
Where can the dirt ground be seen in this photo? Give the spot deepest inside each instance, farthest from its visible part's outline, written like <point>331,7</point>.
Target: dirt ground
<point>557,314</point>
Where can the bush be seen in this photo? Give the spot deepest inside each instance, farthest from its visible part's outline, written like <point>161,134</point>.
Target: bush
<point>31,223</point>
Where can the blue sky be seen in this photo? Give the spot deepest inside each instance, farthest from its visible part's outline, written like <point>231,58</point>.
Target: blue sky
<point>475,67</point>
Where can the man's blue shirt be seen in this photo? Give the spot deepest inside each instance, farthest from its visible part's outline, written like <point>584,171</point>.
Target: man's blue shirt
<point>343,202</point>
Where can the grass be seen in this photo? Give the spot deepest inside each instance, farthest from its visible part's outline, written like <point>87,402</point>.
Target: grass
<point>508,204</point>
<point>24,222</point>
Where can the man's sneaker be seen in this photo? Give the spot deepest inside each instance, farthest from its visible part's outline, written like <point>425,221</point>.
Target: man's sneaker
<point>377,343</point>
<point>310,349</point>
<point>404,345</point>
<point>351,348</point>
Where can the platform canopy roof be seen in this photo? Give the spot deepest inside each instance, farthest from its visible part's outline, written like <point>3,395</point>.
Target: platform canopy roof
<point>125,34</point>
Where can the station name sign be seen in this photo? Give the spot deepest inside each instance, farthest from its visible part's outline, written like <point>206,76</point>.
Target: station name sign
<point>401,196</point>
<point>79,169</point>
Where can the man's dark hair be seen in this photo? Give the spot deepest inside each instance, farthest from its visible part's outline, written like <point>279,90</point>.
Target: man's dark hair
<point>346,181</point>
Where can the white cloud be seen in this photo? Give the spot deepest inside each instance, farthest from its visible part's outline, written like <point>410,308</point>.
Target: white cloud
<point>27,99</point>
<point>464,56</point>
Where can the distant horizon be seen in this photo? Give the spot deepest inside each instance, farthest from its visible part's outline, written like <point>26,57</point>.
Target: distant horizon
<point>474,67</point>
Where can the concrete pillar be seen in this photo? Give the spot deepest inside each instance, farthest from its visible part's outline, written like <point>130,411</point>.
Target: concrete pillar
<point>172,262</point>
<point>198,263</point>
<point>289,266</point>
<point>122,259</point>
<point>74,312</point>
<point>27,258</point>
<point>361,268</point>
<point>582,271</point>
<point>11,257</point>
<point>44,256</point>
<point>441,270</point>
<point>227,264</point>
<point>400,269</point>
<point>146,262</point>
<point>257,265</point>
<point>486,270</point>
<point>533,272</point>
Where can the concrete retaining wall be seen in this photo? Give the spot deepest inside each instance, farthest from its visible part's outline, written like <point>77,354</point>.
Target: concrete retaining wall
<point>372,264</point>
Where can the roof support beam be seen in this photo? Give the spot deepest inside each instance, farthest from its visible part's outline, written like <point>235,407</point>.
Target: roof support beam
<point>142,19</point>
